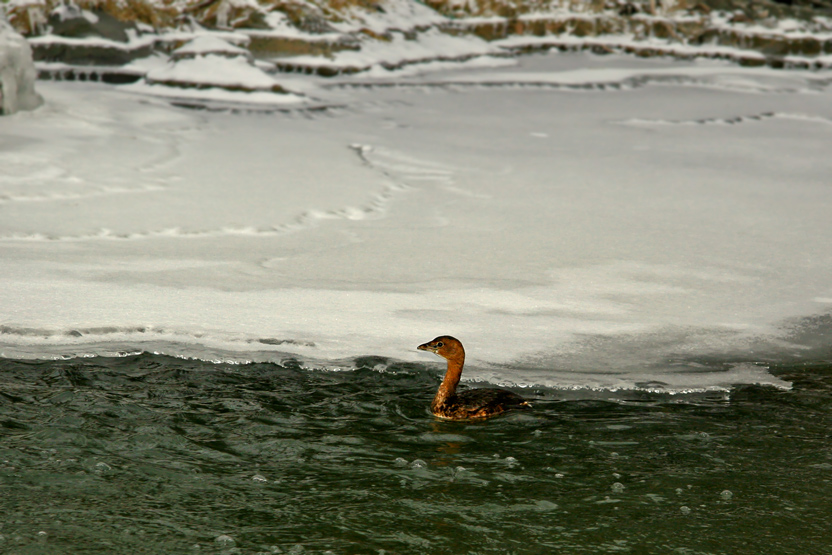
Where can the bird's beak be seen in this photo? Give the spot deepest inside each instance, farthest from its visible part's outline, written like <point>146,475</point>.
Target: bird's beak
<point>426,347</point>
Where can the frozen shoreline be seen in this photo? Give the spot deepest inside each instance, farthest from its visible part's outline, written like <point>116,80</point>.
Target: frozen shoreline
<point>571,235</point>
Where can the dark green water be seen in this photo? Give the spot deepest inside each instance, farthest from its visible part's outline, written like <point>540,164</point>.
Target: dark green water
<point>150,454</point>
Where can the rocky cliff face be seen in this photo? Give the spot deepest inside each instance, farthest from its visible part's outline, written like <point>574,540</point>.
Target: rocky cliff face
<point>123,41</point>
<point>37,17</point>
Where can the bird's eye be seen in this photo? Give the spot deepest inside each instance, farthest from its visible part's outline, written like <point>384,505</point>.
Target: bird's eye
<point>440,344</point>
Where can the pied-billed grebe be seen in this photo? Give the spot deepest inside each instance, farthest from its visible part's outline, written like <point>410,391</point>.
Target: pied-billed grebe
<point>474,403</point>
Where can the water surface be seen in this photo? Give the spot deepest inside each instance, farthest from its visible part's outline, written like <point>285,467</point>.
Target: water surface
<point>153,454</point>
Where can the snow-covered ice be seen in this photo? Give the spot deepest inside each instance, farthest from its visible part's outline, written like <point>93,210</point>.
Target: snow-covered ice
<point>577,221</point>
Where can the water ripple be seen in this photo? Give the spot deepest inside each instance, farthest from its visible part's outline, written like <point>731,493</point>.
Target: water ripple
<point>147,453</point>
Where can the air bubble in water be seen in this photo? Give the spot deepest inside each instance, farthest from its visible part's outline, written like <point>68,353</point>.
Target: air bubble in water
<point>225,541</point>
<point>678,491</point>
<point>400,461</point>
<point>511,460</point>
<point>418,463</point>
<point>102,467</point>
<point>617,487</point>
<point>726,494</point>
<point>259,478</point>
<point>684,509</point>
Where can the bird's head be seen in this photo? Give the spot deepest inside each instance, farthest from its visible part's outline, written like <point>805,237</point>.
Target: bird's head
<point>445,346</point>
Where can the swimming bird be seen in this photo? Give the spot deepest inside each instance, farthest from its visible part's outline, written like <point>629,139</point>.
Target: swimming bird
<point>473,403</point>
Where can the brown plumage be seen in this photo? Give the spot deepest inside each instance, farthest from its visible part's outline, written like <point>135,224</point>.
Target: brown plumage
<point>473,403</point>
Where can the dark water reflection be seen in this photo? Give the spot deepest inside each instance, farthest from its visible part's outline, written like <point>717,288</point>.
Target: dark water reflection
<point>149,454</point>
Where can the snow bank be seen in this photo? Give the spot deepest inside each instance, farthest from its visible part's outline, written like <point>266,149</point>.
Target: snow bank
<point>17,73</point>
<point>399,50</point>
<point>209,68</point>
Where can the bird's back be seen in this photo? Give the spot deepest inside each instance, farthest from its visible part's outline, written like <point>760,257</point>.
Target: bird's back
<point>479,403</point>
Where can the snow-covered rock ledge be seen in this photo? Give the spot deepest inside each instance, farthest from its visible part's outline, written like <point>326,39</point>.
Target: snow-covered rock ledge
<point>17,73</point>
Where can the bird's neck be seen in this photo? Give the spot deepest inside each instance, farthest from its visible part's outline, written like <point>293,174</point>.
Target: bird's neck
<point>447,388</point>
